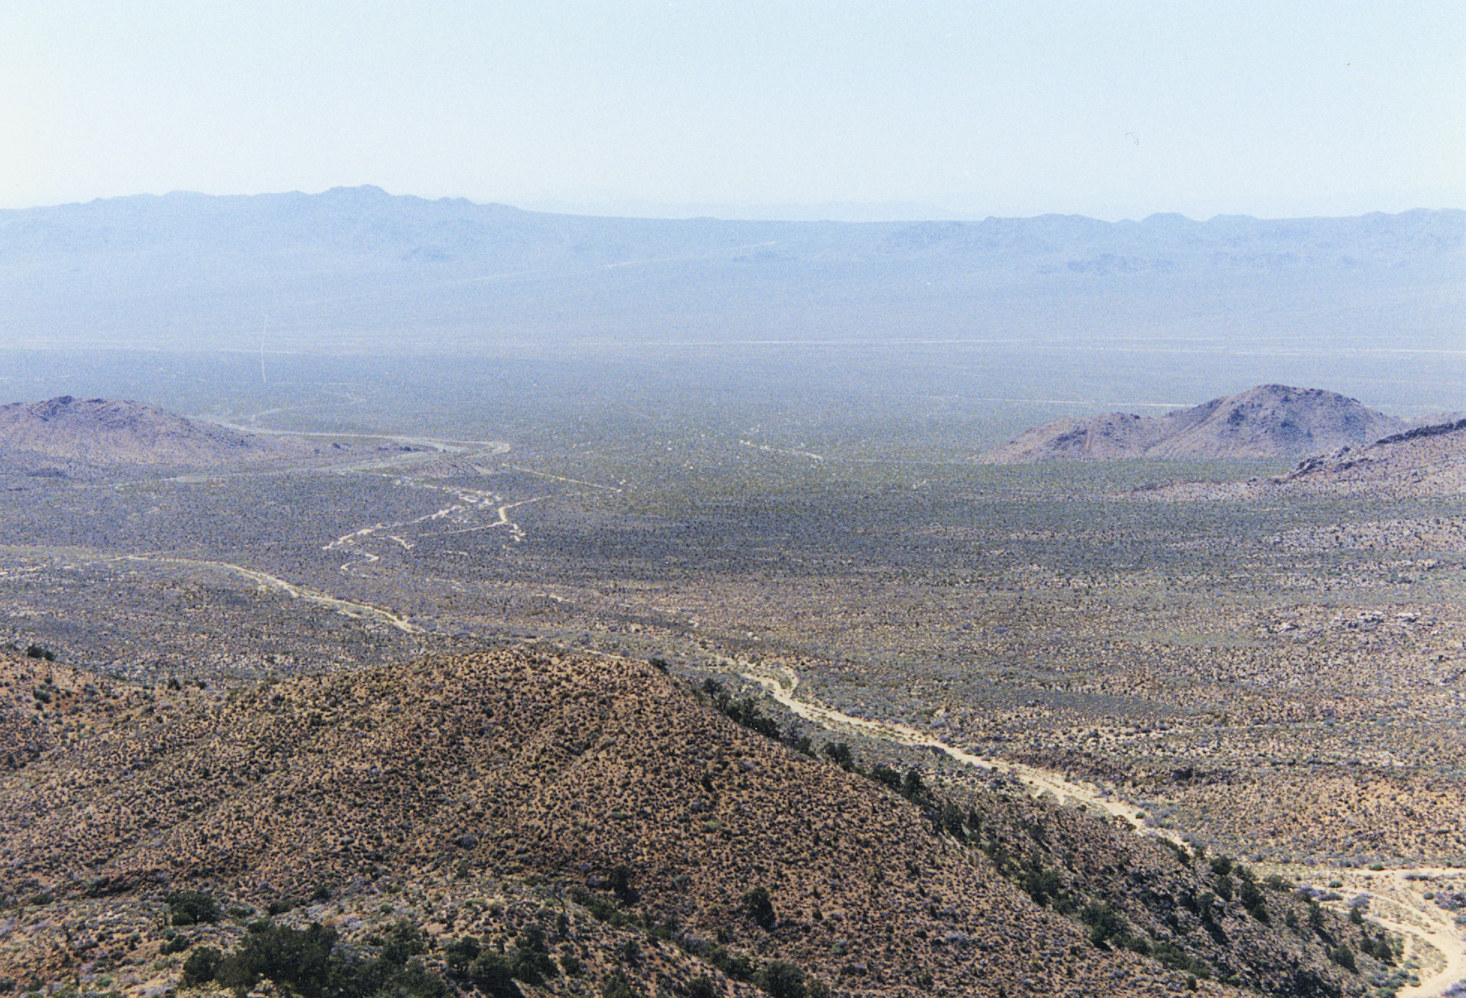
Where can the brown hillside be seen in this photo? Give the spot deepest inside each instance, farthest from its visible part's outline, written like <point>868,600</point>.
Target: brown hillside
<point>444,778</point>
<point>1263,422</point>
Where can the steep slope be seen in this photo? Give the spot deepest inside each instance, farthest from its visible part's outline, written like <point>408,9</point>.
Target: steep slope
<point>1262,422</point>
<point>584,784</point>
<point>108,432</point>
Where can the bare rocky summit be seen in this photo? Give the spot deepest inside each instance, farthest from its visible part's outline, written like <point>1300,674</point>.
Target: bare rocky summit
<point>1263,422</point>
<point>110,433</point>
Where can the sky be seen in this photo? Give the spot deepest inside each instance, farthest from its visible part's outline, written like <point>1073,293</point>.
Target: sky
<point>747,108</point>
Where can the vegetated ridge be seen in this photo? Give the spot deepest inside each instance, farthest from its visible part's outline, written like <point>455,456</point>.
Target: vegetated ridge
<point>580,816</point>
<point>1262,422</point>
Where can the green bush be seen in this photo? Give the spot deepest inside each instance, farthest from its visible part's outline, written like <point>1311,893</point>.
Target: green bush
<point>192,908</point>
<point>882,773</point>
<point>760,908</point>
<point>493,974</point>
<point>201,965</point>
<point>1344,957</point>
<point>1105,923</point>
<point>617,986</point>
<point>304,962</point>
<point>839,753</point>
<point>781,980</point>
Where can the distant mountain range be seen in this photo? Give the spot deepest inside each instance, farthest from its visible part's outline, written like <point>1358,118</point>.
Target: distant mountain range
<point>356,268</point>
<point>1263,422</point>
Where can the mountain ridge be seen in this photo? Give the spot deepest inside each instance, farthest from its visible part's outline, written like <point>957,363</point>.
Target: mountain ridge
<point>1262,422</point>
<point>357,266</point>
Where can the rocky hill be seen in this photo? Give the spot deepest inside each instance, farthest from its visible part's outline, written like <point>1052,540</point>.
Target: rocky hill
<point>590,823</point>
<point>107,432</point>
<point>1263,422</point>
<point>1427,460</point>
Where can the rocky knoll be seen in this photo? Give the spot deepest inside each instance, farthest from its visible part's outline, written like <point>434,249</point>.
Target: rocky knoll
<point>1428,460</point>
<point>1263,422</point>
<point>648,833</point>
<point>108,432</point>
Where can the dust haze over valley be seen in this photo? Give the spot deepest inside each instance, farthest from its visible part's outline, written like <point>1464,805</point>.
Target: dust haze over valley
<point>516,596</point>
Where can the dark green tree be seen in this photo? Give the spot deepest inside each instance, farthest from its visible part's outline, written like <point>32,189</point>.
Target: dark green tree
<point>760,907</point>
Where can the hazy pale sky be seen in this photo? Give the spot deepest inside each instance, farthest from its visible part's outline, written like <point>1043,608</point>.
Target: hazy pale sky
<point>1111,109</point>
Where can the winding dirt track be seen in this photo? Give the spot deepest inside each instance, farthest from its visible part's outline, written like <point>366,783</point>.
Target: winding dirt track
<point>1397,904</point>
<point>346,607</point>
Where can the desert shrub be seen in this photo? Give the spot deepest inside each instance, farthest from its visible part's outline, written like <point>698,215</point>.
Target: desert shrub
<point>620,880</point>
<point>617,986</point>
<point>1041,884</point>
<point>1344,957</point>
<point>297,958</point>
<point>201,965</point>
<point>949,820</point>
<point>628,951</point>
<point>882,773</point>
<point>839,753</point>
<point>493,974</point>
<point>403,940</point>
<point>460,954</point>
<point>1253,901</point>
<point>1173,956</point>
<point>760,907</point>
<point>914,789</point>
<point>304,962</point>
<point>1105,923</point>
<point>701,987</point>
<point>192,908</point>
<point>735,965</point>
<point>781,979</point>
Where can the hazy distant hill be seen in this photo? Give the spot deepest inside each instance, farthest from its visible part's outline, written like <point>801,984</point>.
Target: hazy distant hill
<point>110,432</point>
<point>363,270</point>
<point>1262,422</point>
